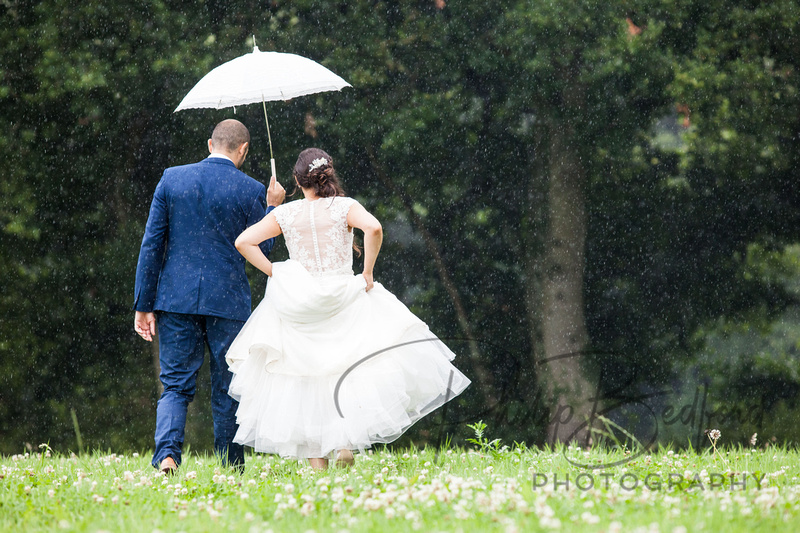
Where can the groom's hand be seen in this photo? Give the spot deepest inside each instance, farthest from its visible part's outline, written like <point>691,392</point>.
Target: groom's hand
<point>275,193</point>
<point>145,325</point>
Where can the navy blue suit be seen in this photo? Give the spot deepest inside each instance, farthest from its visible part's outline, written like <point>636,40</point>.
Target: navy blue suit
<point>190,273</point>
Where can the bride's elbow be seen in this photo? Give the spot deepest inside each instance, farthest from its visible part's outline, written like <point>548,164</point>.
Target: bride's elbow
<point>376,230</point>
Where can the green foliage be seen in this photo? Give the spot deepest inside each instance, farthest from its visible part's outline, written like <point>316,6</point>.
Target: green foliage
<point>687,131</point>
<point>483,443</point>
<point>83,88</point>
<point>749,363</point>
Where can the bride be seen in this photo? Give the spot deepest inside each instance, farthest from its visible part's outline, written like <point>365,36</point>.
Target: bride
<point>330,361</point>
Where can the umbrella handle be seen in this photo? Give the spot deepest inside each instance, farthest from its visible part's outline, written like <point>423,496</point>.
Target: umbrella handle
<point>272,162</point>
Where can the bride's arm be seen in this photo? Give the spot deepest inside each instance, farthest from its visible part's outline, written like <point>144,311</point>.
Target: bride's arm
<point>360,218</point>
<point>247,243</point>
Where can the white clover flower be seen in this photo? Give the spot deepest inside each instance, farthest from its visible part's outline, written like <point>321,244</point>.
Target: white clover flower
<point>550,523</point>
<point>372,504</point>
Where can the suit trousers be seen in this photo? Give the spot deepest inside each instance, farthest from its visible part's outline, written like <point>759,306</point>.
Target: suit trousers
<point>182,340</point>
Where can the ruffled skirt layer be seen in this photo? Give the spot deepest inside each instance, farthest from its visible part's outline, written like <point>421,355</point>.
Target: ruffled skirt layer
<point>322,365</point>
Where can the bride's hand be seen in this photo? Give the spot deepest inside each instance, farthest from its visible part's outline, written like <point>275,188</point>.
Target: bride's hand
<point>369,280</point>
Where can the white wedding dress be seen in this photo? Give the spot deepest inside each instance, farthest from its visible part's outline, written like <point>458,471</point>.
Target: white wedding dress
<point>323,365</point>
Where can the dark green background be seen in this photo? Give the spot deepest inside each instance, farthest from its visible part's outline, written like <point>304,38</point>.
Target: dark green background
<point>688,133</point>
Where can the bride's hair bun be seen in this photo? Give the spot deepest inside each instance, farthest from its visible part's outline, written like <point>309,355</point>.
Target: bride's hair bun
<point>314,170</point>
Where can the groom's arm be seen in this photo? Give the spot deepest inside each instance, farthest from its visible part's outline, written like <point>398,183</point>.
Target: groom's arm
<point>259,210</point>
<point>275,196</point>
<point>267,245</point>
<point>151,253</point>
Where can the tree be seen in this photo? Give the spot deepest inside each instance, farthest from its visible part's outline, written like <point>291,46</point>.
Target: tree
<point>588,87</point>
<point>553,179</point>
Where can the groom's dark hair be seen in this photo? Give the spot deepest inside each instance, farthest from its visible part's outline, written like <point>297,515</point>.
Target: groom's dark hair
<point>229,135</point>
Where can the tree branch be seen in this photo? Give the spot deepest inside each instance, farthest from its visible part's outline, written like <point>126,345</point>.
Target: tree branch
<point>483,376</point>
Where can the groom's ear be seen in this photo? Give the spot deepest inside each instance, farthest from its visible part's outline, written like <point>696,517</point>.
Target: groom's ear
<point>210,146</point>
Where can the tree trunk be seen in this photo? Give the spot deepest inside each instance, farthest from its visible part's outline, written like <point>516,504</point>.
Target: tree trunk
<point>534,231</point>
<point>564,335</point>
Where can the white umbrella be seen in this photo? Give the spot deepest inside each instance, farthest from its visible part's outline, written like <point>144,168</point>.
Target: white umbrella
<point>260,77</point>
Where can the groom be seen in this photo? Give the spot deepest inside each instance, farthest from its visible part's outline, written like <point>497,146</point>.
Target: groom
<point>191,281</point>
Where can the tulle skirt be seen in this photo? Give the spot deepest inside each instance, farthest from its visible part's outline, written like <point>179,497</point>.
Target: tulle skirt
<point>322,365</point>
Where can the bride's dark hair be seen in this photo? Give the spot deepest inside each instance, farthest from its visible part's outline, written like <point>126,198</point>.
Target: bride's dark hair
<point>314,170</point>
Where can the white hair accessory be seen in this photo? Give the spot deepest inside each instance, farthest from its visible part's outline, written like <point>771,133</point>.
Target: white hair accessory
<point>317,163</point>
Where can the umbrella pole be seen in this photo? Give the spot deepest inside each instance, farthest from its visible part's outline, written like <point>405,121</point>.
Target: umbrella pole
<point>271,157</point>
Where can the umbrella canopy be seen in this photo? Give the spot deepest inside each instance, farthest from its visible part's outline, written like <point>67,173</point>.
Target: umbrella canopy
<point>259,77</point>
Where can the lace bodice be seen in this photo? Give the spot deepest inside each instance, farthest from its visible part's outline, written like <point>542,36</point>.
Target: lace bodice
<point>317,234</point>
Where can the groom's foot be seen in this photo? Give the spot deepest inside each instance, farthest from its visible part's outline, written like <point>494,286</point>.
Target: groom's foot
<point>168,466</point>
<point>237,467</point>
<point>345,459</point>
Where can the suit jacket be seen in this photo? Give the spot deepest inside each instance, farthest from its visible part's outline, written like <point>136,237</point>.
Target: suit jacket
<point>188,262</point>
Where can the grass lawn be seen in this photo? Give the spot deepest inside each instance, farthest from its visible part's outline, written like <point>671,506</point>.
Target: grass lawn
<point>484,488</point>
